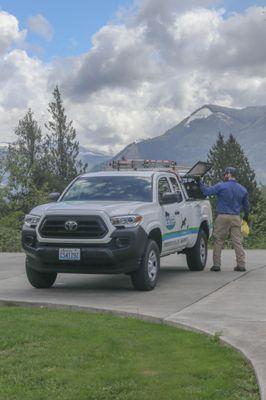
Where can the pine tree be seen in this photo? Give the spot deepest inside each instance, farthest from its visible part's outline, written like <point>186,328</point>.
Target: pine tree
<point>25,153</point>
<point>2,169</point>
<point>216,157</point>
<point>229,153</point>
<point>25,165</point>
<point>257,239</point>
<point>62,148</point>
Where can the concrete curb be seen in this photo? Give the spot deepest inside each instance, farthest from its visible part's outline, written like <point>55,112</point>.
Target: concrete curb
<point>148,318</point>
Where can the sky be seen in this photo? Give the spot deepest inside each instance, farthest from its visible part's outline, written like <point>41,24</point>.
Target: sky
<point>128,69</point>
<point>73,23</point>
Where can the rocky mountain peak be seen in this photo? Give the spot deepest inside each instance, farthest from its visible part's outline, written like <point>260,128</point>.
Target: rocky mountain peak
<point>191,139</point>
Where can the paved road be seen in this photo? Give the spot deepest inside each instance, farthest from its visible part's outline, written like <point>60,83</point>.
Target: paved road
<point>228,302</point>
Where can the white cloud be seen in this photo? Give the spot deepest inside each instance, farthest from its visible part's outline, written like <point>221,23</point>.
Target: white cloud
<point>41,26</point>
<point>9,31</point>
<point>143,74</point>
<point>23,85</point>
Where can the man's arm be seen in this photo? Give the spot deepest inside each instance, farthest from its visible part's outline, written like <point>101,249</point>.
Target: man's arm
<point>246,206</point>
<point>210,190</point>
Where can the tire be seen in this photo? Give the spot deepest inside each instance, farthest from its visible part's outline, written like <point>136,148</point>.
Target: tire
<point>146,277</point>
<point>197,255</point>
<point>40,280</point>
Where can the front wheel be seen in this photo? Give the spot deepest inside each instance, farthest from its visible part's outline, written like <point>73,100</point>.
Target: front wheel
<point>197,255</point>
<point>40,280</point>
<point>146,277</point>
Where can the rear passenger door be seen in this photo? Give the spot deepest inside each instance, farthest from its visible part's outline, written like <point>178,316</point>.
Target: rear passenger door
<point>182,215</point>
<point>169,217</point>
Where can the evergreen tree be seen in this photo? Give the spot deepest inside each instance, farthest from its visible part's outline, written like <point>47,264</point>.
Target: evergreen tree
<point>229,153</point>
<point>62,148</point>
<point>257,239</point>
<point>2,169</point>
<point>216,157</point>
<point>25,165</point>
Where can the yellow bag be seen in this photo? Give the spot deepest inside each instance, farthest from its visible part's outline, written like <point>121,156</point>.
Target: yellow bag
<point>245,228</point>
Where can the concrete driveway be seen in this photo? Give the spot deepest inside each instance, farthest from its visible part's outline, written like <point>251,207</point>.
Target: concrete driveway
<point>231,303</point>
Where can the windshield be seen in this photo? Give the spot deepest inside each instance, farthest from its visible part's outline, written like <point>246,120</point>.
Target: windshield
<point>110,188</point>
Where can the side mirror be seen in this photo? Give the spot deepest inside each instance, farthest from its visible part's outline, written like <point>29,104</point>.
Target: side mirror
<point>170,198</point>
<point>179,197</point>
<point>54,196</point>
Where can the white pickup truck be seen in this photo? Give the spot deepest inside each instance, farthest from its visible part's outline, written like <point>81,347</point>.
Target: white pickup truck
<point>119,221</point>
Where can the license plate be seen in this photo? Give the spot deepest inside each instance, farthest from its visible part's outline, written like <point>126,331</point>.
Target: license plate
<point>69,254</point>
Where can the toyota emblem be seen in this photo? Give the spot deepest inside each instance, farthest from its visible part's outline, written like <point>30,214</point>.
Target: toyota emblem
<point>71,226</point>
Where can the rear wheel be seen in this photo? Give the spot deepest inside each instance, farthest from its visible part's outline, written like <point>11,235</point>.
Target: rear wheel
<point>40,280</point>
<point>146,277</point>
<point>197,255</point>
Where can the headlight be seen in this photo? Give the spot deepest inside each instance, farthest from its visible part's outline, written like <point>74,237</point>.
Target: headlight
<point>126,221</point>
<point>31,221</point>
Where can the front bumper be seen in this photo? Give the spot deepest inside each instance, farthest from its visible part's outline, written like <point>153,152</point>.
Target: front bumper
<point>121,255</point>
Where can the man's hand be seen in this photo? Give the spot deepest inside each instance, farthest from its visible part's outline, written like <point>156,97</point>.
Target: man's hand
<point>246,218</point>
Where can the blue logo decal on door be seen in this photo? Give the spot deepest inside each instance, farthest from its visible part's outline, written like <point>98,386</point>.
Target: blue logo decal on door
<point>170,221</point>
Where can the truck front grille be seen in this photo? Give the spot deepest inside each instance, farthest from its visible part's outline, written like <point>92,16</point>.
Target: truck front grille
<point>73,227</point>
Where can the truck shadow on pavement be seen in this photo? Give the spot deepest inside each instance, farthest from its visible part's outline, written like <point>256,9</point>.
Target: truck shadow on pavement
<point>114,282</point>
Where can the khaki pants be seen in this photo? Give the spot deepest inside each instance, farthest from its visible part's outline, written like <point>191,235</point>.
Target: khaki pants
<point>224,225</point>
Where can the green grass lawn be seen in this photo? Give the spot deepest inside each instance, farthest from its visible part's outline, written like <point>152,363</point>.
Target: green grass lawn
<point>50,354</point>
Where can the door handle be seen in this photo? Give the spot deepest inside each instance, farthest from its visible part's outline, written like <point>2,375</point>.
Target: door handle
<point>177,212</point>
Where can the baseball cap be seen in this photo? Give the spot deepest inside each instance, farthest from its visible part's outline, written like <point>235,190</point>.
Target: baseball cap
<point>230,170</point>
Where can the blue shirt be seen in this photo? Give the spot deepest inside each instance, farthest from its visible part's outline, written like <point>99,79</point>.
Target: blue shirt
<point>232,197</point>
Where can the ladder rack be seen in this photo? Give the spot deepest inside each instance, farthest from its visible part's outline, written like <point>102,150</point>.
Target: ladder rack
<point>139,164</point>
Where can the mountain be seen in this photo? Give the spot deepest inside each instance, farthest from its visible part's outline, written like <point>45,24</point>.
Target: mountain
<point>91,157</point>
<point>3,149</point>
<point>191,139</point>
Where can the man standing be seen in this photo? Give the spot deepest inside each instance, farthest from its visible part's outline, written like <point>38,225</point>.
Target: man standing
<point>232,198</point>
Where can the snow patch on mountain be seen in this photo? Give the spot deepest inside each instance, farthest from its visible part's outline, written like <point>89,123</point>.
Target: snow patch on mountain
<point>85,150</point>
<point>223,116</point>
<point>90,153</point>
<point>202,113</point>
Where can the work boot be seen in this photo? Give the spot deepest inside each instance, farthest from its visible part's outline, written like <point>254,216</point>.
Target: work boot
<point>240,269</point>
<point>215,268</point>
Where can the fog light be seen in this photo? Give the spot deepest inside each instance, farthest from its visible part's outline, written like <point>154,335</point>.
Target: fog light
<point>118,243</point>
<point>121,242</point>
<point>29,240</point>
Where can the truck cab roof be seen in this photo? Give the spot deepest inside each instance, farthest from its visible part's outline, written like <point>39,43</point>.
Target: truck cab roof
<point>143,173</point>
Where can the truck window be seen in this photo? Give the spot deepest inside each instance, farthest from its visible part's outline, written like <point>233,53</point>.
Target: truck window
<point>192,188</point>
<point>163,187</point>
<point>110,188</point>
<point>175,185</point>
